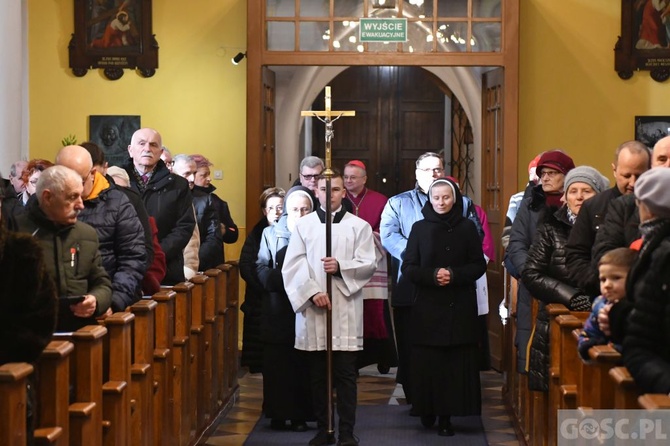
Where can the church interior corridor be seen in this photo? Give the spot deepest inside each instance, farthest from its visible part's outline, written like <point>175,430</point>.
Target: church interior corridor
<point>373,389</point>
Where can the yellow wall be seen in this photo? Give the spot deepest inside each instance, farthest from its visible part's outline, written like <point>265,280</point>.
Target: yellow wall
<point>570,95</point>
<point>196,99</point>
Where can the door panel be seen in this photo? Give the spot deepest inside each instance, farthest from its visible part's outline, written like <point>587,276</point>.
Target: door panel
<point>492,162</point>
<point>399,116</point>
<point>268,126</point>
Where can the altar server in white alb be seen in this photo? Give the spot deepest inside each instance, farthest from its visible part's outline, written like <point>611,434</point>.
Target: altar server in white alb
<point>352,264</point>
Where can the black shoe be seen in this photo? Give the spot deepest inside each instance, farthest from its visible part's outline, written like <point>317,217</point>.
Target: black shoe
<point>298,426</point>
<point>445,428</point>
<point>347,439</point>
<point>446,431</point>
<point>383,368</point>
<point>428,420</point>
<point>322,438</point>
<point>278,425</point>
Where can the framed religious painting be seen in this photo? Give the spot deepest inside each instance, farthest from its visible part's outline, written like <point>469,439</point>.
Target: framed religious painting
<point>644,43</point>
<point>113,35</point>
<point>649,129</point>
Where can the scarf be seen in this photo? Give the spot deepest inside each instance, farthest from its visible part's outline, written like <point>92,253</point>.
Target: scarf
<point>553,200</point>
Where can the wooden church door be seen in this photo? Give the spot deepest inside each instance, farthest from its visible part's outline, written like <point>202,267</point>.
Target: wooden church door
<point>400,114</point>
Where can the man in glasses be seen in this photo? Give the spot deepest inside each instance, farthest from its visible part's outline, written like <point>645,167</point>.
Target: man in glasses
<point>400,213</point>
<point>310,171</point>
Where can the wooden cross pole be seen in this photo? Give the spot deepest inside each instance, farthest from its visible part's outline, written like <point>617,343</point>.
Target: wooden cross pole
<point>329,116</point>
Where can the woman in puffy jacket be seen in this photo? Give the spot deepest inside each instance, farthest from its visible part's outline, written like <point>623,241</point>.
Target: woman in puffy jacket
<point>546,274</point>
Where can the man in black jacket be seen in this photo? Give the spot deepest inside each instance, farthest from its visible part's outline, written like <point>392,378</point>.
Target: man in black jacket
<point>631,160</point>
<point>115,220</point>
<point>166,197</point>
<point>70,247</point>
<point>623,219</point>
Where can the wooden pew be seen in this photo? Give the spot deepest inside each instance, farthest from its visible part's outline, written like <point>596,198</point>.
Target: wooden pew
<point>569,358</point>
<point>221,357</point>
<point>142,376</point>
<point>163,368</point>
<point>129,380</point>
<point>654,401</point>
<point>86,378</point>
<point>182,362</point>
<point>13,378</point>
<point>625,392</point>
<point>200,291</point>
<point>197,346</point>
<point>212,318</point>
<point>231,271</point>
<point>596,388</point>
<point>52,391</point>
<point>116,390</point>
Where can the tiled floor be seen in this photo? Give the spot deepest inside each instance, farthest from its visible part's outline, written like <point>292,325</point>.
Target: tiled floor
<point>373,388</point>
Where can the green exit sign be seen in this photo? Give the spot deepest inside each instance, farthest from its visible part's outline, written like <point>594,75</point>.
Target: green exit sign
<point>383,30</point>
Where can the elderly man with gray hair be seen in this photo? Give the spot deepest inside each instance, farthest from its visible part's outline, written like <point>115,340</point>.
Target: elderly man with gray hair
<point>70,248</point>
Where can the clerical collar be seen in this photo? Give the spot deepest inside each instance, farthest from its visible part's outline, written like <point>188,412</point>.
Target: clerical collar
<point>337,215</point>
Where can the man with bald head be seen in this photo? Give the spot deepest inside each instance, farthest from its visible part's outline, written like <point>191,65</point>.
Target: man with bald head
<point>621,225</point>
<point>630,161</point>
<point>166,196</point>
<point>110,212</point>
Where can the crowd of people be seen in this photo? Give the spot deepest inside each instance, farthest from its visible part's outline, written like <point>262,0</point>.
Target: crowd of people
<point>101,237</point>
<point>572,240</point>
<point>110,236</point>
<point>80,241</point>
<point>285,264</point>
<point>97,238</point>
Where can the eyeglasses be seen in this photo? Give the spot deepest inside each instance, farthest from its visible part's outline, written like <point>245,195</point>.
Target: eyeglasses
<point>311,176</point>
<point>350,177</point>
<point>274,208</point>
<point>85,179</point>
<point>428,169</point>
<point>548,173</point>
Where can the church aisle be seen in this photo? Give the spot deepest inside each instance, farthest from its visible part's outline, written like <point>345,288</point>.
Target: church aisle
<point>373,389</point>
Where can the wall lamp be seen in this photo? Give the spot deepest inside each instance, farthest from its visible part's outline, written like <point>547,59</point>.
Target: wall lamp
<point>238,58</point>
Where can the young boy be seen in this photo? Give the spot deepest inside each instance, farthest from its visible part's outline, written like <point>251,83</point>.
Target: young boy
<point>612,270</point>
<point>351,265</point>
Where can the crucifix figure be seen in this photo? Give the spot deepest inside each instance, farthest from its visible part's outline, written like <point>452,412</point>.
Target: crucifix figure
<point>329,116</point>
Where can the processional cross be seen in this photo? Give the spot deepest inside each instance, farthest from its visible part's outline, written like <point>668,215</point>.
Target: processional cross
<point>329,116</point>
